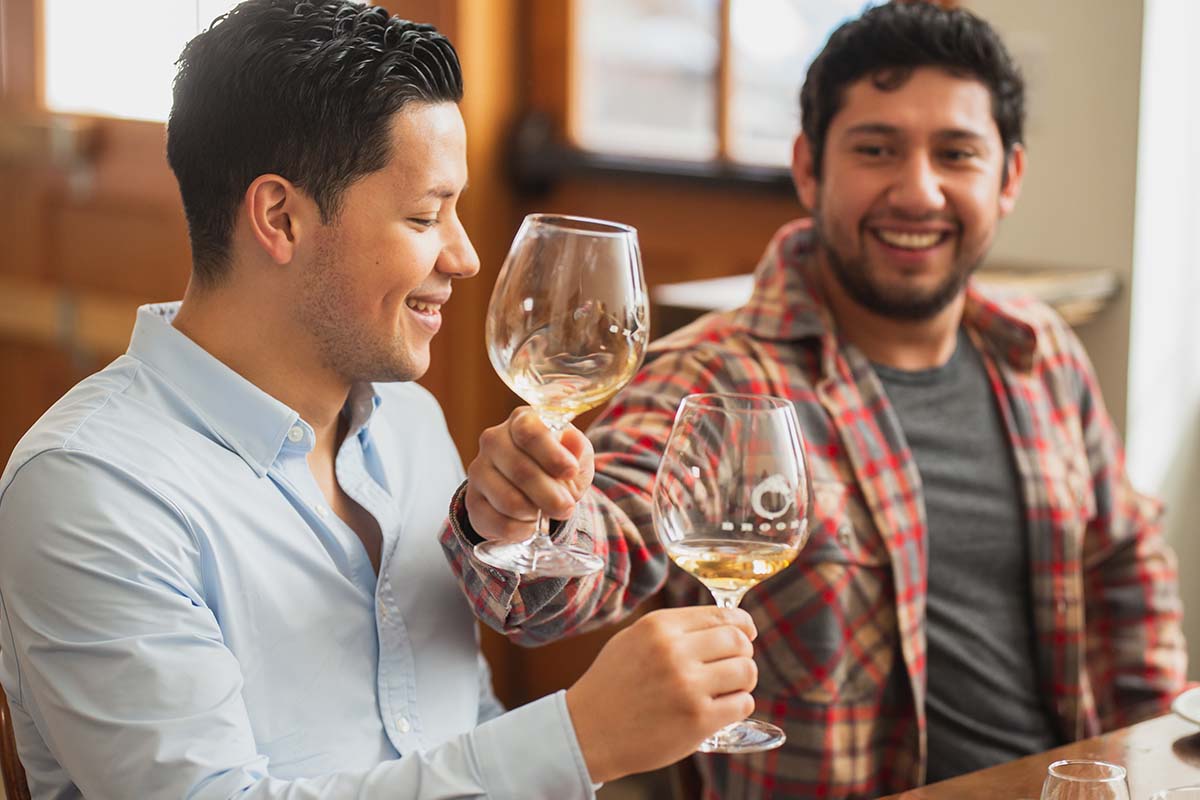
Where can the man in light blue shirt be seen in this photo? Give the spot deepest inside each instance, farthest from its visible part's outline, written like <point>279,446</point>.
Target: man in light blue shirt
<point>219,567</point>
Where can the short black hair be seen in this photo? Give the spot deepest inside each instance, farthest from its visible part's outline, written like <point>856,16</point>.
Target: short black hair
<point>891,40</point>
<point>306,89</point>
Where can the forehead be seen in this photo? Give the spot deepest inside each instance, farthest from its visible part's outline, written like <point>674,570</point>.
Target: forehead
<point>931,100</point>
<point>429,146</point>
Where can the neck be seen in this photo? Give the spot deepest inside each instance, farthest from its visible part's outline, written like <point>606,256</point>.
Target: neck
<point>898,343</point>
<point>259,342</point>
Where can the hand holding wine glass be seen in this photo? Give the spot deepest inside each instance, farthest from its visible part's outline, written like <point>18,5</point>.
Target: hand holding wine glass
<point>731,504</point>
<point>567,327</point>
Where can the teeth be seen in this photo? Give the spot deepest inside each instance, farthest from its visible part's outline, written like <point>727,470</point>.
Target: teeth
<point>910,241</point>
<point>424,308</point>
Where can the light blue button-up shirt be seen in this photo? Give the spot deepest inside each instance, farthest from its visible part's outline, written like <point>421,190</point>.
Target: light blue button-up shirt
<point>182,615</point>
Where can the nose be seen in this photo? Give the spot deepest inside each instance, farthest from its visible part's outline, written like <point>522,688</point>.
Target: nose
<point>458,258</point>
<point>917,190</point>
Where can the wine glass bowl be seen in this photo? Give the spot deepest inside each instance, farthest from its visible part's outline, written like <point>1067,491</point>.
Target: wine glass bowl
<point>567,327</point>
<point>731,504</point>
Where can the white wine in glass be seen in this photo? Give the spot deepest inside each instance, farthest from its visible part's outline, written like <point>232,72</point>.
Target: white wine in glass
<point>731,505</point>
<point>567,327</point>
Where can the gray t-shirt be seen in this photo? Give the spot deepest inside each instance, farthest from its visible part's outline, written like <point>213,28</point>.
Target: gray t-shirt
<point>984,705</point>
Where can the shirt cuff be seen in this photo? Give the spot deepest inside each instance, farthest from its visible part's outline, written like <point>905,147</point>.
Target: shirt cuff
<point>531,753</point>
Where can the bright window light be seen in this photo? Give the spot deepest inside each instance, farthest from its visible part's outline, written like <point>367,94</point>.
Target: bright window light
<point>117,57</point>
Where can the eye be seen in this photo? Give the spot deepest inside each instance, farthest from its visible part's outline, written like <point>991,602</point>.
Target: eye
<point>424,222</point>
<point>872,150</point>
<point>957,155</point>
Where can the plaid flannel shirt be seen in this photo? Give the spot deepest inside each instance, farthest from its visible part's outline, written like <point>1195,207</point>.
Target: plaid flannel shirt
<point>841,647</point>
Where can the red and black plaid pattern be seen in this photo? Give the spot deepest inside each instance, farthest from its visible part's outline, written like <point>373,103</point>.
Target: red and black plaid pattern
<point>841,651</point>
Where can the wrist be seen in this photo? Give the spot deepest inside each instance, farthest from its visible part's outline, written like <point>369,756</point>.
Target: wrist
<point>593,744</point>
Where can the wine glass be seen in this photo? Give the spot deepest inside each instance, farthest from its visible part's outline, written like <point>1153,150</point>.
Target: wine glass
<point>1085,780</point>
<point>567,327</point>
<point>731,504</point>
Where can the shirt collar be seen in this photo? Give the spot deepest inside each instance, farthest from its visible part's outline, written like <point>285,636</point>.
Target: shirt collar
<point>240,415</point>
<point>364,400</point>
<point>788,305</point>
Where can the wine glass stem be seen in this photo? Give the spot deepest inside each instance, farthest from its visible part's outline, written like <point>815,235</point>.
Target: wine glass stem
<point>541,539</point>
<point>727,598</point>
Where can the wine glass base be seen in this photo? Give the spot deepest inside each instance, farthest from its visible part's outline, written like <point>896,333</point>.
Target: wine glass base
<point>539,561</point>
<point>747,736</point>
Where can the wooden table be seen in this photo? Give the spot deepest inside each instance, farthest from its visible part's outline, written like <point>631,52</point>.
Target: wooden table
<point>1158,754</point>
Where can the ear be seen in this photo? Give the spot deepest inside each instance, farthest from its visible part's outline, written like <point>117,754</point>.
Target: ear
<point>1012,185</point>
<point>803,174</point>
<point>278,215</point>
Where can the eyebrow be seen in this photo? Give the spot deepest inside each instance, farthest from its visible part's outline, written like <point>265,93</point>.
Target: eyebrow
<point>883,129</point>
<point>874,127</point>
<point>444,192</point>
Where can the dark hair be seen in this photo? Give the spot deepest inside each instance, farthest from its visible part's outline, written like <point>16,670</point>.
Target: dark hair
<point>304,89</point>
<point>891,40</point>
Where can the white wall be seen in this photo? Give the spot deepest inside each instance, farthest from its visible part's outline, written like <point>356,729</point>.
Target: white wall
<point>1164,374</point>
<point>1082,60</point>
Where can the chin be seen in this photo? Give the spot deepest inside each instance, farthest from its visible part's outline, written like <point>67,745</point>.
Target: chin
<point>412,367</point>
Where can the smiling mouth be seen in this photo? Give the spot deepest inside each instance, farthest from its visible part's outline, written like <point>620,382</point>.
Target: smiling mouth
<point>422,307</point>
<point>910,240</point>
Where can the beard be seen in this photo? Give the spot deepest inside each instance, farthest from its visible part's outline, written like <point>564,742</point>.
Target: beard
<point>348,347</point>
<point>854,275</point>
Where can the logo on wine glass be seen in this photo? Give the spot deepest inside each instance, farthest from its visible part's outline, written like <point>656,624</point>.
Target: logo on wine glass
<point>772,497</point>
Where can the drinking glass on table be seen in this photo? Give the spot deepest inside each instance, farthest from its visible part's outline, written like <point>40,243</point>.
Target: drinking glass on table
<point>1085,780</point>
<point>567,327</point>
<point>731,503</point>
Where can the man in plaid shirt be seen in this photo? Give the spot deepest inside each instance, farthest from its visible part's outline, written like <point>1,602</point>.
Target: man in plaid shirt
<point>981,581</point>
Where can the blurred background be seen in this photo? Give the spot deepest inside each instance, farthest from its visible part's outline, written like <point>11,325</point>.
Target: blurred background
<point>675,116</point>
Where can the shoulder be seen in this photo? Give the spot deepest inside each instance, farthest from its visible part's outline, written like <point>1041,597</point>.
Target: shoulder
<point>1058,359</point>
<point>105,458</point>
<point>73,419</point>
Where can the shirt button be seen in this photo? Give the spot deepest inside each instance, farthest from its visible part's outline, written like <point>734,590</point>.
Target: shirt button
<point>403,725</point>
<point>295,434</point>
<point>322,511</point>
<point>845,535</point>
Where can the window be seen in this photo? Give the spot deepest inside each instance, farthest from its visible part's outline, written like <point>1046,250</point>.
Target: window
<point>117,58</point>
<point>696,79</point>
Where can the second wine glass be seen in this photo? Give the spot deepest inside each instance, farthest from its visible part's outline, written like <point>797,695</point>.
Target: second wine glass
<point>567,327</point>
<point>731,504</point>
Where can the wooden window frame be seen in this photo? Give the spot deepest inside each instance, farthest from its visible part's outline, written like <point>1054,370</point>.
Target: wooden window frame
<point>545,146</point>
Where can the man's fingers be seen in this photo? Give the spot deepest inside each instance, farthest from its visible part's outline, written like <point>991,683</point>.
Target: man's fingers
<point>525,476</point>
<point>695,618</point>
<point>715,644</point>
<point>491,523</point>
<point>732,707</point>
<point>531,436</point>
<point>730,675</point>
<point>487,484</point>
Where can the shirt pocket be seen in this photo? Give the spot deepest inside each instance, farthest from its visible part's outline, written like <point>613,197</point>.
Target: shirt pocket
<point>829,620</point>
